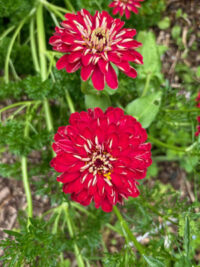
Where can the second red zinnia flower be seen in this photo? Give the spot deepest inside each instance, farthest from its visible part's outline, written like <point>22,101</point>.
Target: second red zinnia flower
<point>92,43</point>
<point>125,6</point>
<point>101,156</point>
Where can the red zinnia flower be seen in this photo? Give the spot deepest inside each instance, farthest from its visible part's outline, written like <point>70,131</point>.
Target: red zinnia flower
<point>92,43</point>
<point>198,100</point>
<point>198,127</point>
<point>125,6</point>
<point>101,156</point>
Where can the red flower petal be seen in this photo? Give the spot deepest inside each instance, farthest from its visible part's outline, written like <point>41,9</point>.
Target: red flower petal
<point>111,78</point>
<point>86,72</point>
<point>62,62</point>
<point>132,73</point>
<point>73,67</point>
<point>98,79</point>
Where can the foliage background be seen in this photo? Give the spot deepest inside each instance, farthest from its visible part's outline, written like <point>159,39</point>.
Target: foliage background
<point>165,218</point>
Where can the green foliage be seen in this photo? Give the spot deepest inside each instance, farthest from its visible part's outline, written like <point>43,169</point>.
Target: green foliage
<point>152,262</point>
<point>160,217</point>
<point>92,101</point>
<point>149,15</point>
<point>35,246</point>
<point>145,108</point>
<point>123,258</point>
<point>15,9</point>
<point>10,170</point>
<point>14,130</point>
<point>164,23</point>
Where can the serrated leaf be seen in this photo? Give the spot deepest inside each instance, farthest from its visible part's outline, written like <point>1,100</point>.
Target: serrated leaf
<point>101,101</point>
<point>145,108</point>
<point>153,262</point>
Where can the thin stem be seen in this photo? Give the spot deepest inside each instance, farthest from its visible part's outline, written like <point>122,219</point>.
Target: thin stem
<point>25,173</point>
<point>70,102</point>
<point>6,67</point>
<point>146,87</point>
<point>160,143</point>
<point>54,19</point>
<point>71,233</point>
<point>26,185</point>
<point>17,78</point>
<point>47,110</point>
<point>33,46</point>
<point>54,7</point>
<point>43,63</point>
<point>128,233</point>
<point>182,110</point>
<point>69,5</point>
<point>6,32</point>
<point>55,11</point>
<point>41,42</point>
<point>18,104</point>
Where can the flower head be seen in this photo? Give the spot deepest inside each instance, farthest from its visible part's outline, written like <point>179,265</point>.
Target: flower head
<point>92,43</point>
<point>125,6</point>
<point>198,127</point>
<point>198,100</point>
<point>101,156</point>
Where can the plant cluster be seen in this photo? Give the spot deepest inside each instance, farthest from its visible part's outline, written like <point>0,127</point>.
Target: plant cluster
<point>101,152</point>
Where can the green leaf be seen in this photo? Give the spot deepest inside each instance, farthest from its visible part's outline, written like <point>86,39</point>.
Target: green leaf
<point>101,101</point>
<point>149,50</point>
<point>145,108</point>
<point>164,23</point>
<point>176,32</point>
<point>153,262</point>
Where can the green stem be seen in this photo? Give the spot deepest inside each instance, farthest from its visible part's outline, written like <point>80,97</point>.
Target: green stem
<point>128,233</point>
<point>71,233</point>
<point>54,7</point>
<point>55,11</point>
<point>182,110</point>
<point>18,104</point>
<point>158,142</point>
<point>26,185</point>
<point>43,63</point>
<point>33,46</point>
<point>69,5</point>
<point>48,116</point>
<point>17,78</point>
<point>41,42</point>
<point>6,32</point>
<point>70,102</point>
<point>146,87</point>
<point>6,67</point>
<point>25,173</point>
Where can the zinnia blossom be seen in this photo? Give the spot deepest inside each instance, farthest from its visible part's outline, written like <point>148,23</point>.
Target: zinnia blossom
<point>125,7</point>
<point>92,43</point>
<point>101,156</point>
<point>198,100</point>
<point>198,127</point>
